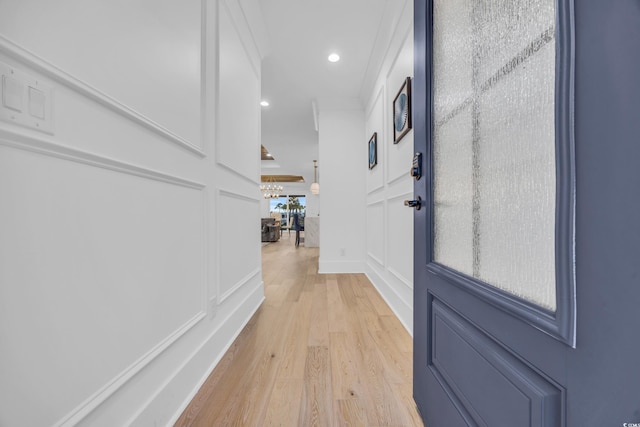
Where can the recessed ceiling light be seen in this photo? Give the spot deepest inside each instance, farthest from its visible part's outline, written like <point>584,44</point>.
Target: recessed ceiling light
<point>264,103</point>
<point>334,57</point>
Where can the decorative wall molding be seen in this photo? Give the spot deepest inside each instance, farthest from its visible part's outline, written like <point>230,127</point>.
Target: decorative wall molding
<point>204,76</point>
<point>376,259</point>
<point>399,196</point>
<point>395,273</point>
<point>222,296</point>
<point>50,71</point>
<point>85,408</point>
<point>253,181</point>
<point>400,308</point>
<point>376,202</point>
<point>385,44</point>
<point>237,14</point>
<point>376,189</point>
<point>238,285</point>
<point>43,145</point>
<point>394,180</point>
<point>402,40</point>
<point>236,195</point>
<point>207,341</point>
<point>378,97</point>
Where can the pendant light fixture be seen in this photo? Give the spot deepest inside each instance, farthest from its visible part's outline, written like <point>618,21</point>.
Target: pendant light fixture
<point>315,187</point>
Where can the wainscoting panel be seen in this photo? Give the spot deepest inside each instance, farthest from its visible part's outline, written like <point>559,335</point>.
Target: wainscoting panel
<point>400,237</point>
<point>239,228</point>
<point>376,232</point>
<point>375,123</point>
<point>399,154</point>
<point>122,69</point>
<point>75,224</point>
<point>389,261</point>
<point>238,126</point>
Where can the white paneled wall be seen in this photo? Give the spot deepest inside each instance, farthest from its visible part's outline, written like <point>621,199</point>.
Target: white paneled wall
<point>134,58</point>
<point>129,250</point>
<point>389,251</point>
<point>342,189</point>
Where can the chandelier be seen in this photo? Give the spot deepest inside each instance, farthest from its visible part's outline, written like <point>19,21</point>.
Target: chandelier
<point>270,190</point>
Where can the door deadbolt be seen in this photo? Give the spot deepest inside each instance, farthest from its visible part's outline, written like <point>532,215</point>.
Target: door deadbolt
<point>416,166</point>
<point>417,204</point>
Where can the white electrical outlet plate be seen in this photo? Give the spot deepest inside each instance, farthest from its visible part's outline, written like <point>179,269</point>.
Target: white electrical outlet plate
<point>25,100</point>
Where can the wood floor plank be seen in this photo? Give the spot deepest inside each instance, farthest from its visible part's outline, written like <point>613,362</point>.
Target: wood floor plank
<point>292,357</point>
<point>322,350</point>
<point>336,307</point>
<point>349,413</point>
<point>404,394</point>
<point>345,369</point>
<point>397,333</point>
<point>319,328</point>
<point>378,303</point>
<point>316,408</point>
<point>284,403</point>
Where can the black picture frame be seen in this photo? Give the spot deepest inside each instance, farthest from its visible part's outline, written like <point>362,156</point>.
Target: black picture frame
<point>373,150</point>
<point>402,111</point>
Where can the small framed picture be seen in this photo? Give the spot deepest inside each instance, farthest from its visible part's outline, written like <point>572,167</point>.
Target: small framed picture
<point>373,150</point>
<point>402,111</point>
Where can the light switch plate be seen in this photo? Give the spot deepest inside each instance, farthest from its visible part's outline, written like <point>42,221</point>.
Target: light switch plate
<point>12,93</point>
<point>26,100</point>
<point>37,103</point>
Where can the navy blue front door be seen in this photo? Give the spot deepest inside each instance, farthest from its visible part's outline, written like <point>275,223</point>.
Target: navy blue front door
<point>486,357</point>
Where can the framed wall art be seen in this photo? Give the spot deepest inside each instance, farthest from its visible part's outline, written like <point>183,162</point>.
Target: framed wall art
<point>373,150</point>
<point>402,111</point>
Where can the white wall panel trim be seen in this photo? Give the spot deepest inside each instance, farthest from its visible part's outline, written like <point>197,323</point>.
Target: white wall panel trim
<point>402,310</point>
<point>253,273</point>
<point>403,195</point>
<point>402,40</point>
<point>41,145</point>
<point>85,408</point>
<point>375,190</point>
<point>400,278</point>
<point>393,180</point>
<point>204,75</point>
<point>375,259</point>
<point>375,202</point>
<point>237,14</point>
<point>236,173</point>
<point>236,195</point>
<point>258,288</point>
<point>245,280</point>
<point>50,71</point>
<point>375,100</point>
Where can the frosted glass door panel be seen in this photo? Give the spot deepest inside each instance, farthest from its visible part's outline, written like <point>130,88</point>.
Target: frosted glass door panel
<point>494,143</point>
<point>507,30</point>
<point>453,73</point>
<point>517,182</point>
<point>453,191</point>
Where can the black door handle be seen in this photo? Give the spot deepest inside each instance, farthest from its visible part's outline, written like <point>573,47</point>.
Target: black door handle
<point>417,204</point>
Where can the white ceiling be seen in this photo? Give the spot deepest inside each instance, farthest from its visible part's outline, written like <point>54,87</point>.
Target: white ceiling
<point>295,70</point>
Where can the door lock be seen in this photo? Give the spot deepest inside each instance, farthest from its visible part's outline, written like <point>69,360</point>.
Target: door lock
<point>414,203</point>
<point>416,166</point>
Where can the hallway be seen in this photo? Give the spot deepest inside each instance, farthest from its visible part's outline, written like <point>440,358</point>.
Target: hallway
<point>322,350</point>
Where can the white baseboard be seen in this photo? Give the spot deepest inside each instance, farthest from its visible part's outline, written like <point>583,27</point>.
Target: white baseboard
<point>401,309</point>
<point>192,374</point>
<point>340,267</point>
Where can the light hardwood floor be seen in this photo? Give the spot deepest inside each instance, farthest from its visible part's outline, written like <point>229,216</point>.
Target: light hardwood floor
<point>322,350</point>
